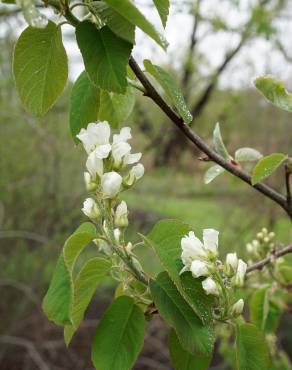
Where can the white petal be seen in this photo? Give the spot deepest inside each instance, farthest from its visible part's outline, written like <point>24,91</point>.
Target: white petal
<point>119,150</point>
<point>111,184</point>
<point>102,132</point>
<point>199,268</point>
<point>210,237</point>
<point>102,151</point>
<point>132,158</point>
<point>124,135</point>
<point>210,286</point>
<point>94,165</point>
<point>137,171</point>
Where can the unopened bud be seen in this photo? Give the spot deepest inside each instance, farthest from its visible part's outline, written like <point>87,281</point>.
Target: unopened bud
<point>240,273</point>
<point>90,209</point>
<point>121,215</point>
<point>90,185</point>
<point>231,264</point>
<point>129,248</point>
<point>237,308</point>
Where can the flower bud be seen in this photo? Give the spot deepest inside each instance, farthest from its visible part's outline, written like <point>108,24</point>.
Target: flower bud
<point>210,287</point>
<point>199,268</point>
<point>231,264</point>
<point>135,174</point>
<point>90,209</point>
<point>264,231</point>
<point>271,235</point>
<point>240,274</point>
<point>90,185</point>
<point>129,248</point>
<point>111,184</point>
<point>237,308</point>
<point>266,239</point>
<point>103,246</point>
<point>121,215</point>
<point>249,248</point>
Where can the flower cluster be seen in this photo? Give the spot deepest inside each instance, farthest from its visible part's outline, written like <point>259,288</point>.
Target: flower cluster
<point>107,175</point>
<point>107,161</point>
<point>220,279</point>
<point>262,245</point>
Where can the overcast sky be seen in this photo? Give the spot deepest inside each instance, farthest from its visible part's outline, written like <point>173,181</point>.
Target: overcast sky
<point>254,59</point>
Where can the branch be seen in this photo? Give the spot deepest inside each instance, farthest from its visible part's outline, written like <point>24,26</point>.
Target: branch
<point>276,254</point>
<point>287,183</point>
<point>152,93</point>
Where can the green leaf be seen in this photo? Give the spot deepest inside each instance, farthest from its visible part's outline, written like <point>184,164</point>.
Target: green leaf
<point>259,307</point>
<point>274,316</point>
<point>218,143</point>
<point>105,56</point>
<point>171,89</point>
<point>40,67</point>
<point>119,336</point>
<point>116,108</point>
<point>162,7</point>
<point>59,297</point>
<point>251,348</point>
<point>57,301</point>
<point>275,91</point>
<point>286,272</point>
<point>116,22</point>
<point>84,287</point>
<point>212,173</point>
<point>266,166</point>
<point>165,238</point>
<point>128,10</point>
<point>84,104</point>
<point>183,360</point>
<point>193,335</point>
<point>247,155</point>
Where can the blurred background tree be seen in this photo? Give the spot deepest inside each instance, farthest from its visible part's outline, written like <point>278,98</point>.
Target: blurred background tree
<point>41,190</point>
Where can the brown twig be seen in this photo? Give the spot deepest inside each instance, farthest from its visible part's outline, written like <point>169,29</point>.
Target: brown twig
<point>277,253</point>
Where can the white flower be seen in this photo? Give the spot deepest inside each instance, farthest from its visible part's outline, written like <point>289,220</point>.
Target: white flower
<point>237,308</point>
<point>210,238</point>
<point>124,135</point>
<point>90,185</point>
<point>192,248</point>
<point>119,150</point>
<point>240,274</point>
<point>94,135</point>
<point>111,184</point>
<point>121,215</point>
<point>90,209</point>
<point>94,165</point>
<point>199,268</point>
<point>231,263</point>
<point>210,286</point>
